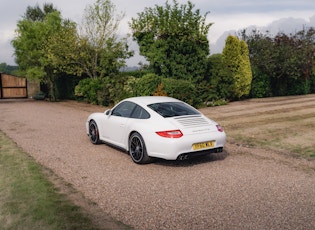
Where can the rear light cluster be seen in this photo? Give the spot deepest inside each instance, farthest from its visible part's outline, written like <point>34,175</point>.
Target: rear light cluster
<point>220,129</point>
<point>170,133</point>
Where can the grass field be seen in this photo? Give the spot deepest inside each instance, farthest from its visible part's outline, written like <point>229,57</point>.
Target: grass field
<point>28,200</point>
<point>283,124</point>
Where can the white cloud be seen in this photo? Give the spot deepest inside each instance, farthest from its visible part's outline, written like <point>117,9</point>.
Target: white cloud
<point>241,21</point>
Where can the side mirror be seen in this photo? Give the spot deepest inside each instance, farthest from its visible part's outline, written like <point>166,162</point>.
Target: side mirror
<point>108,112</point>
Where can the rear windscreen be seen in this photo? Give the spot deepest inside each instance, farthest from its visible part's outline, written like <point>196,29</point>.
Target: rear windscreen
<point>173,109</point>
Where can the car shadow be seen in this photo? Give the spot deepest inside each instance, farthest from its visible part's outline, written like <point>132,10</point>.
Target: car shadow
<point>194,160</point>
<point>211,157</point>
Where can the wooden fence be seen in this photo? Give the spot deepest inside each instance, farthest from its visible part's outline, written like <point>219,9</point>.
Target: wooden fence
<point>12,86</point>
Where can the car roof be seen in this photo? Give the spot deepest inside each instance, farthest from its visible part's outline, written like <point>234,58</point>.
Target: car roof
<point>146,100</point>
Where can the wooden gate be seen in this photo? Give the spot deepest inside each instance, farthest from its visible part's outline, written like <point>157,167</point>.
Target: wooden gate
<point>12,86</point>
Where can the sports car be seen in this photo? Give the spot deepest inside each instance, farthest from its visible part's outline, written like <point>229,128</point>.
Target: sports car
<point>150,127</point>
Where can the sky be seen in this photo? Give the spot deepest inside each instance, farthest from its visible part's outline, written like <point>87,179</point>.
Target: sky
<point>227,15</point>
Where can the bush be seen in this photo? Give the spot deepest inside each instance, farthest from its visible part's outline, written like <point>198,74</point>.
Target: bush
<point>260,85</point>
<point>147,85</point>
<point>88,90</point>
<point>152,84</point>
<point>110,90</point>
<point>183,90</point>
<point>105,91</point>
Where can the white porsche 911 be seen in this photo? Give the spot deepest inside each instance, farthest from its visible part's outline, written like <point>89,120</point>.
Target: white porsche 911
<point>151,127</point>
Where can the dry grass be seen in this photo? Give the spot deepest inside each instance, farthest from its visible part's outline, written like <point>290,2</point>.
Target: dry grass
<point>285,124</point>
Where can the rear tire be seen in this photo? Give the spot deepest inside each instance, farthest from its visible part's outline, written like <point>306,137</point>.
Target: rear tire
<point>137,149</point>
<point>94,133</point>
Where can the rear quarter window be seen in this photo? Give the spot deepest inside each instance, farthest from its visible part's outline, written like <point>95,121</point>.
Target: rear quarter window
<point>140,113</point>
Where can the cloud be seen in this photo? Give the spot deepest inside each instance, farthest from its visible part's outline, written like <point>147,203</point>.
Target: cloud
<point>283,25</point>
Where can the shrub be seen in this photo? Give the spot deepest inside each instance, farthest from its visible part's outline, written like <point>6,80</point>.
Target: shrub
<point>260,85</point>
<point>152,84</point>
<point>147,85</point>
<point>183,90</point>
<point>88,90</point>
<point>105,91</point>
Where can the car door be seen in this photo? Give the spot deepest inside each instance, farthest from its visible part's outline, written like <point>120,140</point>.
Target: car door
<point>115,126</point>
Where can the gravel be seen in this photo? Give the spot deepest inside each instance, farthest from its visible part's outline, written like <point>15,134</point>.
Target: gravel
<point>241,188</point>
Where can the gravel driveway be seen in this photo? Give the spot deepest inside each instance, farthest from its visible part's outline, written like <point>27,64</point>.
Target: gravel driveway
<point>241,188</point>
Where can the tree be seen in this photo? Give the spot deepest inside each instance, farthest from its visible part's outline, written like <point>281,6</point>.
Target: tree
<point>219,80</point>
<point>245,69</point>
<point>45,47</point>
<point>101,52</point>
<point>282,64</point>
<point>4,68</point>
<point>235,57</point>
<point>37,14</point>
<point>173,39</point>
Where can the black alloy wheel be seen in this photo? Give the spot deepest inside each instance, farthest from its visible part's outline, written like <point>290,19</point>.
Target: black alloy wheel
<point>137,149</point>
<point>93,133</point>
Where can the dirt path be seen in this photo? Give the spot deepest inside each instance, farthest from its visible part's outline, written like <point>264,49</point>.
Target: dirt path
<point>242,188</point>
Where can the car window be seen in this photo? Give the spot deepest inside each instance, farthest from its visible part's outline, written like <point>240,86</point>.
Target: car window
<point>173,109</point>
<point>140,113</point>
<point>124,109</point>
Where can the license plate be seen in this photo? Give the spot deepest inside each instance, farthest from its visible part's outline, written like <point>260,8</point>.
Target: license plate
<point>203,145</point>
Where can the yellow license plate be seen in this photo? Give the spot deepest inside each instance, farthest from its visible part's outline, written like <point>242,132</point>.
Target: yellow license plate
<point>203,145</point>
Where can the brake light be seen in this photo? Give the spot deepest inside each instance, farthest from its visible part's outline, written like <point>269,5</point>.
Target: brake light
<point>170,134</point>
<point>220,129</point>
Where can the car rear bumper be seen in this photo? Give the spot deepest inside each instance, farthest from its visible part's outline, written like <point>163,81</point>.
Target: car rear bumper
<point>182,148</point>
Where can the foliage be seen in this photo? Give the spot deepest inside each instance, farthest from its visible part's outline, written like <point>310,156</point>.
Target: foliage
<point>285,62</point>
<point>147,85</point>
<point>218,82</point>
<point>181,89</point>
<point>235,57</point>
<point>105,91</point>
<point>173,38</point>
<point>45,48</point>
<point>159,91</point>
<point>260,85</point>
<point>88,89</point>
<point>100,51</point>
<point>109,90</point>
<point>151,84</point>
<point>36,14</point>
<point>4,68</point>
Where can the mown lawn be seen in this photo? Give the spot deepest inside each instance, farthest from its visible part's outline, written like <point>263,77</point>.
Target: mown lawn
<point>283,124</point>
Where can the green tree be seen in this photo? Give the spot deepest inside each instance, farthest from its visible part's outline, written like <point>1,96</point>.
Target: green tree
<point>219,81</point>
<point>4,68</point>
<point>45,47</point>
<point>245,69</point>
<point>235,56</point>
<point>173,39</point>
<point>101,53</point>
<point>285,62</point>
<point>37,14</point>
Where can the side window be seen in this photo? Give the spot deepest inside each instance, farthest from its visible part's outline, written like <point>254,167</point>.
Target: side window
<point>124,109</point>
<point>140,113</point>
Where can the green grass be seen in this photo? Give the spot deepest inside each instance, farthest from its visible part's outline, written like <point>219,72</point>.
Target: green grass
<point>28,200</point>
